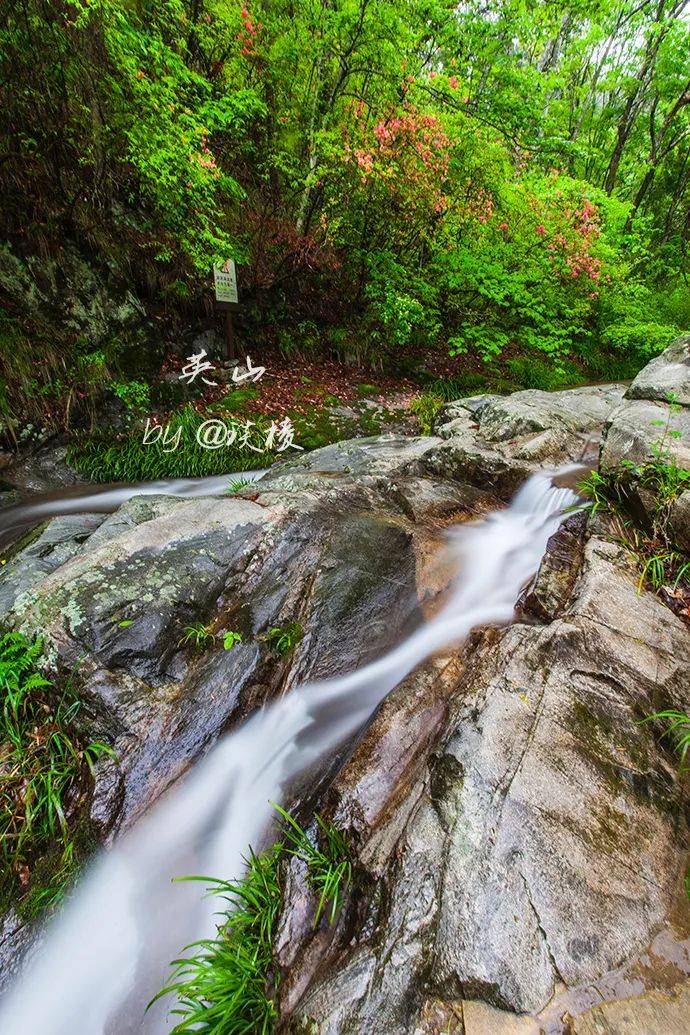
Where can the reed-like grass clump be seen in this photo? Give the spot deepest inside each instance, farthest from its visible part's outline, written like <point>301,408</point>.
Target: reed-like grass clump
<point>44,768</point>
<point>227,985</point>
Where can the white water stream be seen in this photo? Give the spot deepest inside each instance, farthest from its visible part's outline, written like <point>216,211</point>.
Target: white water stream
<point>107,953</point>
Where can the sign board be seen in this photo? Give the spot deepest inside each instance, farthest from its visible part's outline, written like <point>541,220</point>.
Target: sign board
<point>225,282</point>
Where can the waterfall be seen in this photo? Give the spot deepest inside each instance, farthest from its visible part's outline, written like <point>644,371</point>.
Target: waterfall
<point>107,952</point>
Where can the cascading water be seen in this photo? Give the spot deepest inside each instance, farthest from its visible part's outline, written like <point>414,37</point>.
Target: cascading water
<point>107,953</point>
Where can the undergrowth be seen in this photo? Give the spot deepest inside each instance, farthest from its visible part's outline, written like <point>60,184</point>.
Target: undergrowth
<point>227,984</point>
<point>677,731</point>
<point>639,500</point>
<point>44,765</point>
<point>104,458</point>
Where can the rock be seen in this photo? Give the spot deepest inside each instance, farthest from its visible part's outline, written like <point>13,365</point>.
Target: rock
<point>480,1019</point>
<point>113,597</point>
<point>496,442</point>
<point>668,374</point>
<point>542,840</point>
<point>639,430</point>
<point>679,521</point>
<point>386,456</point>
<point>78,298</point>
<point>555,580</point>
<point>655,1013</point>
<point>45,470</point>
<point>44,550</point>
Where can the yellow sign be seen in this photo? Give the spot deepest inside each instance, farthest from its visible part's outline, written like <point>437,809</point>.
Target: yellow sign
<point>225,281</point>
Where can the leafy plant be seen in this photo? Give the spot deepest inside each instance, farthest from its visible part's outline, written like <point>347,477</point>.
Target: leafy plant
<point>44,761</point>
<point>677,730</point>
<point>230,639</point>
<point>426,406</point>
<point>134,394</point>
<point>284,639</point>
<point>198,635</point>
<point>329,867</point>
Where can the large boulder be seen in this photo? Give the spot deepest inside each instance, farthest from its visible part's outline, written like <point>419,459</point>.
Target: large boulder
<point>536,840</point>
<point>667,375</point>
<point>343,556</point>
<point>496,442</point>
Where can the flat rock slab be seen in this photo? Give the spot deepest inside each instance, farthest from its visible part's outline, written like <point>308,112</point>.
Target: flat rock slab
<point>655,1013</point>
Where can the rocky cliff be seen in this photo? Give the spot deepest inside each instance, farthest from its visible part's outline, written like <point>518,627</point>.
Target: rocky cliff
<point>519,838</point>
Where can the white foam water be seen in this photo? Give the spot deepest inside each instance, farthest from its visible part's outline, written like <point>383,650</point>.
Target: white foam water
<point>108,951</point>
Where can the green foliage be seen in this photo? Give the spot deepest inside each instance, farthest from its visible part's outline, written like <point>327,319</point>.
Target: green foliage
<point>222,986</point>
<point>238,485</point>
<point>230,639</point>
<point>328,866</point>
<point>426,406</point>
<point>134,394</point>
<point>101,458</point>
<point>226,984</point>
<point>662,566</point>
<point>45,765</point>
<point>642,340</point>
<point>677,730</point>
<point>533,372</point>
<point>459,387</point>
<point>284,639</point>
<point>198,635</point>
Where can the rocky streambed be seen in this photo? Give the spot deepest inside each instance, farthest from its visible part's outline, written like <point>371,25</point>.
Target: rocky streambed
<point>519,838</point>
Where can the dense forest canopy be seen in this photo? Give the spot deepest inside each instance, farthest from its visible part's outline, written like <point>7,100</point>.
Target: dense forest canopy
<point>499,180</point>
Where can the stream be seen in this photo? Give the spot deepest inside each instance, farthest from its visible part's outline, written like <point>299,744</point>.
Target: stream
<point>108,950</point>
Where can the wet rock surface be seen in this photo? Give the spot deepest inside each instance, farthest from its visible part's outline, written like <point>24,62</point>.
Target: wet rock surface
<point>496,442</point>
<point>519,837</point>
<point>114,595</point>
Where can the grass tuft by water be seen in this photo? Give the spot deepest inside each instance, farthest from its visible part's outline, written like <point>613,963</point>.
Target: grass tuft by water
<point>227,985</point>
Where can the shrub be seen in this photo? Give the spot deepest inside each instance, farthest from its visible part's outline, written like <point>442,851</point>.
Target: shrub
<point>426,406</point>
<point>642,340</point>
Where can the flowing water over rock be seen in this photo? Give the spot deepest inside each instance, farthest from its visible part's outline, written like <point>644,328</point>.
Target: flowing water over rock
<point>106,954</point>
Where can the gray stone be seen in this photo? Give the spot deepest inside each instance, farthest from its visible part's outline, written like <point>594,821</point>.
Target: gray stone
<point>495,443</point>
<point>668,374</point>
<point>544,842</point>
<point>639,430</point>
<point>679,521</point>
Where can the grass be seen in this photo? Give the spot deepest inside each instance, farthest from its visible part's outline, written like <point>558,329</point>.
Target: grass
<point>227,985</point>
<point>649,542</point>
<point>103,458</point>
<point>329,868</point>
<point>677,730</point>
<point>44,765</point>
<point>284,639</point>
<point>197,635</point>
<point>238,485</point>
